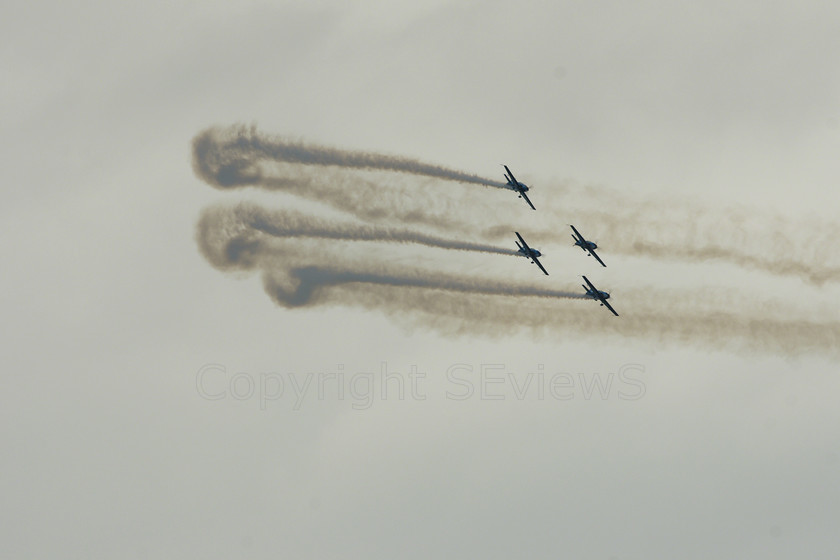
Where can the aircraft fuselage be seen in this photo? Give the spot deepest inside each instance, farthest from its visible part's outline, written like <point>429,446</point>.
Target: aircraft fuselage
<point>592,295</point>
<point>528,252</point>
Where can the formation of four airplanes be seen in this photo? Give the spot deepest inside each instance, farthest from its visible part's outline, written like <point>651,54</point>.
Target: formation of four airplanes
<point>587,246</point>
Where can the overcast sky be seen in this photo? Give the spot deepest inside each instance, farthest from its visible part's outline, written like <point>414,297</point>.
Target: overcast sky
<point>156,406</point>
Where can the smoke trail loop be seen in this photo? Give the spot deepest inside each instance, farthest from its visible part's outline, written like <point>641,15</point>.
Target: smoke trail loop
<point>252,239</point>
<point>307,282</point>
<point>227,157</point>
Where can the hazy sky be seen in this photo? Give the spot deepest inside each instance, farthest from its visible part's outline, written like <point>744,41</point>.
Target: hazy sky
<point>156,406</point>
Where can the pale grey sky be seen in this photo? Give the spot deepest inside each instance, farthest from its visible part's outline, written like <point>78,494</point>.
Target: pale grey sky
<point>129,428</point>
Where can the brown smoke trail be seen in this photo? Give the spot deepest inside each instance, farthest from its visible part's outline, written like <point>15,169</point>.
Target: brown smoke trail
<point>309,285</point>
<point>227,157</point>
<point>674,229</point>
<point>813,274</point>
<point>289,250</point>
<point>720,330</point>
<point>290,224</point>
<point>680,229</point>
<point>294,277</point>
<point>293,281</point>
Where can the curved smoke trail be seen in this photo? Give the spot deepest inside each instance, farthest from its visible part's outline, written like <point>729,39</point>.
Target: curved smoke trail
<point>284,223</point>
<point>232,243</point>
<point>294,274</point>
<point>237,156</point>
<point>227,157</point>
<point>307,285</point>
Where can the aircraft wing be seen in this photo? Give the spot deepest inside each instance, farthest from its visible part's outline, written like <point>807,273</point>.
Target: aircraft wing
<point>591,286</point>
<point>578,236</point>
<point>608,306</point>
<point>597,258</point>
<point>510,174</point>
<point>537,262</point>
<point>528,200</point>
<point>522,241</point>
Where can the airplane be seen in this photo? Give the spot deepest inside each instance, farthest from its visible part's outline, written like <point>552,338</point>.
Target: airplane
<point>594,293</point>
<point>586,245</point>
<point>532,254</point>
<point>521,188</point>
